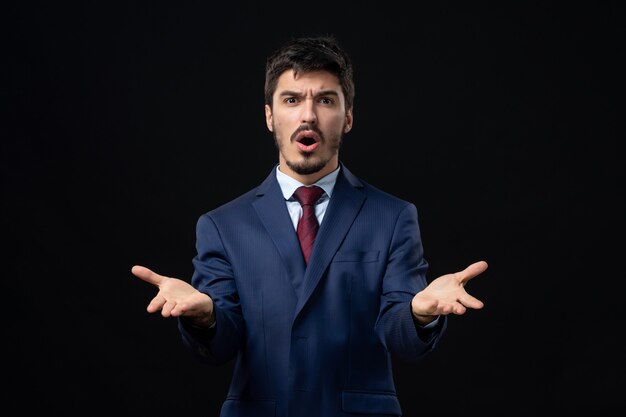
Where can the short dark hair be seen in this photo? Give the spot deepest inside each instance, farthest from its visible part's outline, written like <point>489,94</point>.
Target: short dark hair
<point>306,54</point>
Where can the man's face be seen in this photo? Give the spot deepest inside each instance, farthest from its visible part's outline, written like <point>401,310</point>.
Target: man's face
<point>308,118</point>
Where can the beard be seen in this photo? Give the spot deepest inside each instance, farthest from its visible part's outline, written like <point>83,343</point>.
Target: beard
<point>311,163</point>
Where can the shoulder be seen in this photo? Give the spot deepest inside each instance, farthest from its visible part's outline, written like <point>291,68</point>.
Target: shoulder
<point>241,204</point>
<point>375,194</point>
<point>236,205</point>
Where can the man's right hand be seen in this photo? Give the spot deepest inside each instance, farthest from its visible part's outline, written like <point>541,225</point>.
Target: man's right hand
<point>177,298</point>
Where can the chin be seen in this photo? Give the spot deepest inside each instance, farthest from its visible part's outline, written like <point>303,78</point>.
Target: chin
<point>309,165</point>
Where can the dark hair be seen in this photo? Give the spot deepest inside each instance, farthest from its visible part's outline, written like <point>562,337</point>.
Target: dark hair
<point>321,53</point>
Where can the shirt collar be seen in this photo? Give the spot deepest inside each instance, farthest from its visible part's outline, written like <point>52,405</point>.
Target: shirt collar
<point>289,185</point>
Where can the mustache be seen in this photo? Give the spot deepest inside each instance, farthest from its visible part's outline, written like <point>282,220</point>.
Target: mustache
<point>307,127</point>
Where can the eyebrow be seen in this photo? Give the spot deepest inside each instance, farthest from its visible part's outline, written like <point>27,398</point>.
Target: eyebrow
<point>321,93</point>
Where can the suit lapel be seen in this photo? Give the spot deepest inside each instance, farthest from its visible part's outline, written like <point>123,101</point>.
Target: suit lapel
<point>272,210</point>
<point>343,207</point>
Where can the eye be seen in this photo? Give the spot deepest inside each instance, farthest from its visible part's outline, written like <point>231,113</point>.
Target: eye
<point>327,100</point>
<point>291,100</point>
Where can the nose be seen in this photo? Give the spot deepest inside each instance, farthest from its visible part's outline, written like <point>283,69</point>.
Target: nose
<point>308,112</point>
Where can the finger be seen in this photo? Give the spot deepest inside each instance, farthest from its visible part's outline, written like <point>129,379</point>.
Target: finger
<point>168,307</point>
<point>147,275</point>
<point>471,271</point>
<point>471,302</point>
<point>459,309</point>
<point>424,307</point>
<point>156,304</point>
<point>179,310</point>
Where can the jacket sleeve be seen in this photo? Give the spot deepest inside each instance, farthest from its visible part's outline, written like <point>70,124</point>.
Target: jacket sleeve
<point>404,277</point>
<point>213,275</point>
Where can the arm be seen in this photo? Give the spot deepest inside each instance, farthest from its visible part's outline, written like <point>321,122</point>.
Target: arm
<point>430,303</point>
<point>405,276</point>
<point>213,276</point>
<point>208,310</point>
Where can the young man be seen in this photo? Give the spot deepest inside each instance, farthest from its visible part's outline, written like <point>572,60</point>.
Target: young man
<point>312,326</point>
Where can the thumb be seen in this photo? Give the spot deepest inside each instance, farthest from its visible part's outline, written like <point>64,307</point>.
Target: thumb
<point>147,275</point>
<point>471,271</point>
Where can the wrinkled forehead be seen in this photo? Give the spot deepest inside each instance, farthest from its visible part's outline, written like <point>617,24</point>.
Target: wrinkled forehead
<point>309,82</point>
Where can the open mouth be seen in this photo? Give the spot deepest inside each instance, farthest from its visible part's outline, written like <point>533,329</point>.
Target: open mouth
<point>307,141</point>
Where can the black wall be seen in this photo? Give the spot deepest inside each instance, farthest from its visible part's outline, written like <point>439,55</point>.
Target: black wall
<point>123,123</point>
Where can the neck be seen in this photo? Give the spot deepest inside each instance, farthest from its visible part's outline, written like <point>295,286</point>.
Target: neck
<point>308,179</point>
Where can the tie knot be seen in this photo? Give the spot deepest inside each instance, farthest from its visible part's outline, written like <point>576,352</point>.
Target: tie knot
<point>308,195</point>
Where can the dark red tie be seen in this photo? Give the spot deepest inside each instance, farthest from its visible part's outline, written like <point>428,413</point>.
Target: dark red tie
<point>307,225</point>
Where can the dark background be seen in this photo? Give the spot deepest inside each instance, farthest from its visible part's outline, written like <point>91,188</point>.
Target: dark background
<point>499,120</point>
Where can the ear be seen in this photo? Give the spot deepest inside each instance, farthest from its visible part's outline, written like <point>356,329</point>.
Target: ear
<point>268,117</point>
<point>349,121</point>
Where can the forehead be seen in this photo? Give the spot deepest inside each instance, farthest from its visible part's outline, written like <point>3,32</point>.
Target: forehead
<point>312,80</point>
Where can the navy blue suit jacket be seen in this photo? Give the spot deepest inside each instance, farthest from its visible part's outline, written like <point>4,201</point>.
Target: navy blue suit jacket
<point>312,340</point>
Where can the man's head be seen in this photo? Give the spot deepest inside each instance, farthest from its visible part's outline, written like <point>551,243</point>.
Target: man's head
<point>309,95</point>
<point>302,55</point>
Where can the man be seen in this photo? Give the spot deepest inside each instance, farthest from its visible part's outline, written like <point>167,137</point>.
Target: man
<point>312,334</point>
